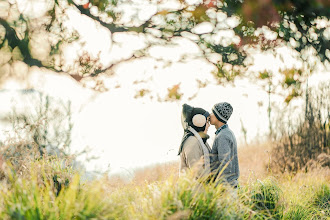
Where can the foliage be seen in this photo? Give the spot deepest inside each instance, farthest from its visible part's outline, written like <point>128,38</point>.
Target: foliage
<point>234,25</point>
<point>265,197</point>
<point>303,139</point>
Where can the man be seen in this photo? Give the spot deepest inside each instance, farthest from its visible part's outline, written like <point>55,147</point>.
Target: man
<point>224,160</point>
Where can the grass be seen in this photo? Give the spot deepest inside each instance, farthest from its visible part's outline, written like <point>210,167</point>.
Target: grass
<point>33,196</point>
<point>264,197</point>
<point>49,189</point>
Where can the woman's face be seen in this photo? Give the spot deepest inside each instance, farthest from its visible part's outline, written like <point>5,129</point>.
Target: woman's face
<point>207,124</point>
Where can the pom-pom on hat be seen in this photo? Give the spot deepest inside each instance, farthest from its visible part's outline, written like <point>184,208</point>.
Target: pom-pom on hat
<point>222,111</point>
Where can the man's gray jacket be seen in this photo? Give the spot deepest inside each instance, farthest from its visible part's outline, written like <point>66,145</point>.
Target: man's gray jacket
<point>224,159</point>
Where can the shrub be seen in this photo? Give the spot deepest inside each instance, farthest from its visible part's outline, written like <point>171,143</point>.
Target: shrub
<point>265,198</point>
<point>302,138</point>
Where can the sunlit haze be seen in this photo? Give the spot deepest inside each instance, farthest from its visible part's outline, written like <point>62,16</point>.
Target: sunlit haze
<point>126,132</point>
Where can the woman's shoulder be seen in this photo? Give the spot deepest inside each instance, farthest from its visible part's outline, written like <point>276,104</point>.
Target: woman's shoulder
<point>191,140</point>
<point>191,144</point>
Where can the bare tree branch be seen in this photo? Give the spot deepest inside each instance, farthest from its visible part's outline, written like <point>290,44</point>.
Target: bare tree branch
<point>23,45</point>
<point>112,27</point>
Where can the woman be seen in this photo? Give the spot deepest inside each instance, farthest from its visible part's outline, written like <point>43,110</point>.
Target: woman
<point>194,150</point>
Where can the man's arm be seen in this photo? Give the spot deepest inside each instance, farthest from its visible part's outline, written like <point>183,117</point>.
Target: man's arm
<point>224,152</point>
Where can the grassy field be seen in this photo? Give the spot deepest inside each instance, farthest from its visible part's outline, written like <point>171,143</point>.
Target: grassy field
<point>158,193</point>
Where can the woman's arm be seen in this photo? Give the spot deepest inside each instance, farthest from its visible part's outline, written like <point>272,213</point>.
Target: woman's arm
<point>193,154</point>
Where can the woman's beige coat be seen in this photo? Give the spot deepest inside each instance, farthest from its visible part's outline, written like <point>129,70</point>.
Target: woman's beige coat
<point>192,156</point>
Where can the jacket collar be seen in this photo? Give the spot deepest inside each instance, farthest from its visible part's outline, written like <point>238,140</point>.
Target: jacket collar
<point>221,128</point>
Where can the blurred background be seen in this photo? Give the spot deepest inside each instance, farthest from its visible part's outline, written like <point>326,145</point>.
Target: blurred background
<point>104,81</point>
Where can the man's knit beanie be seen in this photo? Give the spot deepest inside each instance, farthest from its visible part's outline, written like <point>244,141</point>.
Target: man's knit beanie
<point>222,111</point>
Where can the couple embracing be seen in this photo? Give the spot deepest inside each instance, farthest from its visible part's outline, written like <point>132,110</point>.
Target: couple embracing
<point>219,162</point>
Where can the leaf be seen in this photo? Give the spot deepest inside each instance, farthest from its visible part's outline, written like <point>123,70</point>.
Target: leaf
<point>85,6</point>
<point>294,93</point>
<point>5,53</point>
<point>264,75</point>
<point>200,13</point>
<point>292,77</point>
<point>17,55</point>
<point>141,93</point>
<point>173,93</point>
<point>261,12</point>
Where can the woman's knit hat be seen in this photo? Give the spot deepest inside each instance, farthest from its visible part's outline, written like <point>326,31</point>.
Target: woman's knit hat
<point>194,117</point>
<point>222,111</point>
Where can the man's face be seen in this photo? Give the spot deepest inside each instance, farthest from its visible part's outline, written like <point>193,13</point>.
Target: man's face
<point>213,119</point>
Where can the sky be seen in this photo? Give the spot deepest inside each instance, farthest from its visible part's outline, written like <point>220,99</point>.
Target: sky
<point>126,132</point>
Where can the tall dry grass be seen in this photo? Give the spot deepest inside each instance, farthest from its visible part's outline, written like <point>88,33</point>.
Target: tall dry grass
<point>34,196</point>
<point>156,173</point>
<point>303,139</point>
<point>254,161</point>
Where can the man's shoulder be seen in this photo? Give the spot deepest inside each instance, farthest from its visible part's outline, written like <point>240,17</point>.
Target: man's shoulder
<point>225,133</point>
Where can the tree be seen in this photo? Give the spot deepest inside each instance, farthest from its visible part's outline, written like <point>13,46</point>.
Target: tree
<point>231,29</point>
